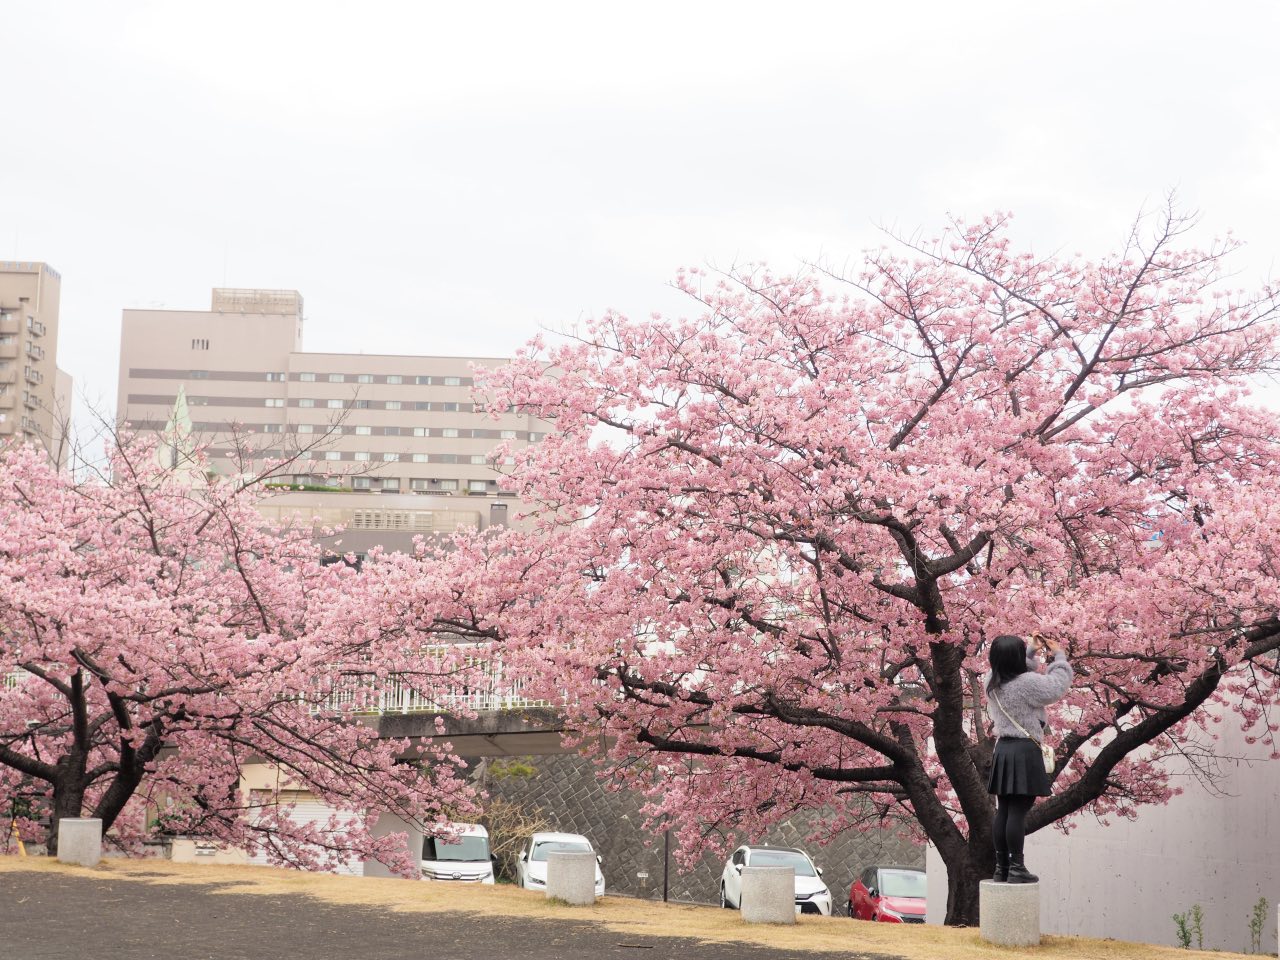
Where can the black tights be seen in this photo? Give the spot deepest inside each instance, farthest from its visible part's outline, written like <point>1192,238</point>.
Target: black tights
<point>1010,825</point>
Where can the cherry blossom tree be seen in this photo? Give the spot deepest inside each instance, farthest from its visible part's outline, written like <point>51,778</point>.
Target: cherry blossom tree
<point>771,541</point>
<point>157,635</point>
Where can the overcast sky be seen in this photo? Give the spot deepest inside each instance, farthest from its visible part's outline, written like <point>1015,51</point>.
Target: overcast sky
<point>447,179</point>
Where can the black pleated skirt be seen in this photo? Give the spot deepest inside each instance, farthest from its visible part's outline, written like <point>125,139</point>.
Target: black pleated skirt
<point>1018,767</point>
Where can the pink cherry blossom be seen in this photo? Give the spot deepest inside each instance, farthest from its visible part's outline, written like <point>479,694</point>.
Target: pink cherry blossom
<point>771,540</point>
<point>159,636</point>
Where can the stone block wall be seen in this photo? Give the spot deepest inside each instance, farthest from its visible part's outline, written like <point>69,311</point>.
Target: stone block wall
<point>572,799</point>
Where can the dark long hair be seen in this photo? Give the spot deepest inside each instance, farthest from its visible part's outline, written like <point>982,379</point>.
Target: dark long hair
<point>1008,659</point>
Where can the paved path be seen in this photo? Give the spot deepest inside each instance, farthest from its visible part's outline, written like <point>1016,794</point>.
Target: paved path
<point>47,916</point>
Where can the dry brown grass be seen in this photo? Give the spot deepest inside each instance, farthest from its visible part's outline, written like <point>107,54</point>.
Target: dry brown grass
<point>634,918</point>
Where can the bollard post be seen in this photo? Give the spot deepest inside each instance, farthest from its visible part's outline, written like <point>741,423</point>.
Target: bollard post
<point>1009,913</point>
<point>571,877</point>
<point>769,895</point>
<point>80,841</point>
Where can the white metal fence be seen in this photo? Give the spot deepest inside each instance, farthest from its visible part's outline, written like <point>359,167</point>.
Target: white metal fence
<point>488,688</point>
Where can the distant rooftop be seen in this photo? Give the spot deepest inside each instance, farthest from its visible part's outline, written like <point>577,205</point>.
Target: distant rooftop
<point>240,300</point>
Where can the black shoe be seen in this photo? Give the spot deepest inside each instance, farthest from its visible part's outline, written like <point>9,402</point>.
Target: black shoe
<point>1002,868</point>
<point>1018,872</point>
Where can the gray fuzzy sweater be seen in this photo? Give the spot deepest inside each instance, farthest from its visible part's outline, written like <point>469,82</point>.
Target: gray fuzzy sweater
<point>1025,697</point>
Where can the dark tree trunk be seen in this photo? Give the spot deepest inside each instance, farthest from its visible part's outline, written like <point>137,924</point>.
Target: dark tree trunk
<point>962,890</point>
<point>68,801</point>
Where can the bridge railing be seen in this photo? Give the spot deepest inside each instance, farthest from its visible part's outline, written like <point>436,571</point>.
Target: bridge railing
<point>487,687</point>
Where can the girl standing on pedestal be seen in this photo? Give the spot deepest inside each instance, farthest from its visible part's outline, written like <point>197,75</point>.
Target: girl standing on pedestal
<point>1016,698</point>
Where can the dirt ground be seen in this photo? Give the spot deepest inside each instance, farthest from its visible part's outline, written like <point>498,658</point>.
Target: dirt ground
<point>47,915</point>
<point>158,910</point>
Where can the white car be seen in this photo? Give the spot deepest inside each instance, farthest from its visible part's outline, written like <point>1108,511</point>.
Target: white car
<point>531,869</point>
<point>465,858</point>
<point>812,895</point>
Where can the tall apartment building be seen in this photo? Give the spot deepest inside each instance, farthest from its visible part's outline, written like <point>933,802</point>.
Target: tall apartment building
<point>35,396</point>
<point>412,454</point>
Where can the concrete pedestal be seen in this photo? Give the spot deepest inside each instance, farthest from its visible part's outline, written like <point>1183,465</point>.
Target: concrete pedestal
<point>80,841</point>
<point>1009,913</point>
<point>571,877</point>
<point>769,894</point>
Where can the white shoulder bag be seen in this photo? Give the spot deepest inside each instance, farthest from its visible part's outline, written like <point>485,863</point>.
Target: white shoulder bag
<point>1046,751</point>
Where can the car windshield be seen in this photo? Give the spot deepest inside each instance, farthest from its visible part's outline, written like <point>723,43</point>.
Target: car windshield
<point>466,850</point>
<point>548,847</point>
<point>902,883</point>
<point>783,858</point>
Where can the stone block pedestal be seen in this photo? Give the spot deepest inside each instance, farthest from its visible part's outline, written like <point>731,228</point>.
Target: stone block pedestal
<point>1009,913</point>
<point>769,894</point>
<point>571,877</point>
<point>80,841</point>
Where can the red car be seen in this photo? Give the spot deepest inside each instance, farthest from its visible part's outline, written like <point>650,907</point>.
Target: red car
<point>888,894</point>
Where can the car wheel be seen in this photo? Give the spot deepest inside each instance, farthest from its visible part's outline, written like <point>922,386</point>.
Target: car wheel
<point>724,903</point>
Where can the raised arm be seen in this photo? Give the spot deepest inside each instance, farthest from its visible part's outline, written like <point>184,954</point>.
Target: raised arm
<point>1045,688</point>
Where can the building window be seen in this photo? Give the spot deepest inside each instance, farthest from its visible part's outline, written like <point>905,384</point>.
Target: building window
<point>273,428</point>
<point>422,381</point>
<point>364,431</point>
<point>334,404</point>
<point>448,484</point>
<point>337,378</point>
<point>394,378</point>
<point>199,374</point>
<point>449,407</point>
<point>306,402</point>
<point>419,485</point>
<point>391,457</point>
<point>420,458</point>
<point>453,381</point>
<point>507,434</point>
<point>365,378</point>
<point>274,401</point>
<point>536,437</point>
<point>422,405</point>
<point>391,431</point>
<point>477,486</point>
<point>446,458</point>
<point>197,401</point>
<point>275,377</point>
<point>479,459</point>
<point>422,431</point>
<point>360,456</point>
<point>360,404</point>
<point>391,484</point>
<point>393,404</point>
<point>449,431</point>
<point>307,377</point>
<point>306,428</point>
<point>197,344</point>
<point>333,454</point>
<point>361,483</point>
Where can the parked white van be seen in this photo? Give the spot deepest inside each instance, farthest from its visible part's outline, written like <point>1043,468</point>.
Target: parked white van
<point>466,858</point>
